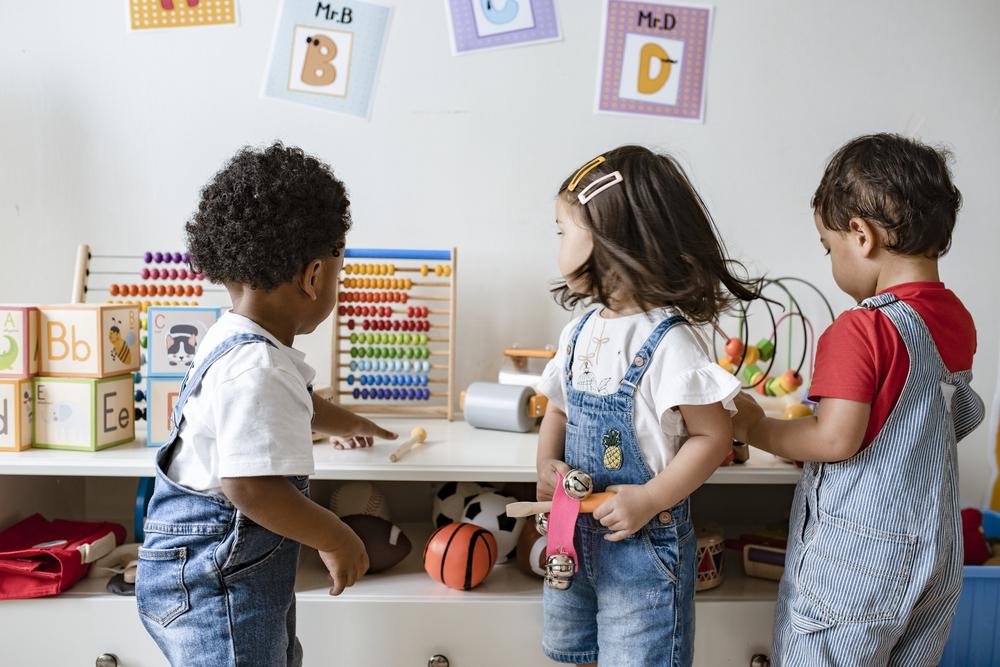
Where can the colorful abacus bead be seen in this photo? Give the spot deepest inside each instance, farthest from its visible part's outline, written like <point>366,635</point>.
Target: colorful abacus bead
<point>761,387</point>
<point>773,387</point>
<point>726,364</point>
<point>766,348</point>
<point>147,257</point>
<point>751,355</point>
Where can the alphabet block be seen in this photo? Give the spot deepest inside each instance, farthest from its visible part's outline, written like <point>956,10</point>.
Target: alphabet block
<point>18,341</point>
<point>161,396</point>
<point>17,405</point>
<point>89,341</point>
<point>173,336</point>
<point>85,414</point>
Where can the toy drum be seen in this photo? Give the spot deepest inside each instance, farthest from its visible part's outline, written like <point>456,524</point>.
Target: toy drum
<point>710,552</point>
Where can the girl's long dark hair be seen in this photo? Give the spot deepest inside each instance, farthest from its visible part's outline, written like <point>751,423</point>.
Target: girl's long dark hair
<point>654,240</point>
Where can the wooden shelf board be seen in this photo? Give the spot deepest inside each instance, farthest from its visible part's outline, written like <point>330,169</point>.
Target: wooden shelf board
<point>454,451</point>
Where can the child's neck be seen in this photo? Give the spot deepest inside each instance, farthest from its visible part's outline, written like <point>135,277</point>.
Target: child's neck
<point>269,309</point>
<point>620,308</point>
<point>900,269</point>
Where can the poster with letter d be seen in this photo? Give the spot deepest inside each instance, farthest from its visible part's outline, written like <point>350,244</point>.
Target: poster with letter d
<point>653,59</point>
<point>327,54</point>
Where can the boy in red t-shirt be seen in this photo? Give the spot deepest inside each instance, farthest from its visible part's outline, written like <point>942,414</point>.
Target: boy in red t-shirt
<point>874,564</point>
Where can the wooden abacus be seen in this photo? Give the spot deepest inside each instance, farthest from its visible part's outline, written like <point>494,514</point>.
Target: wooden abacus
<point>150,279</point>
<point>394,333</point>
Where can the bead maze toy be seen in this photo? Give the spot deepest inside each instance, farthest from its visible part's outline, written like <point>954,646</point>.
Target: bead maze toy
<point>785,394</point>
<point>394,333</point>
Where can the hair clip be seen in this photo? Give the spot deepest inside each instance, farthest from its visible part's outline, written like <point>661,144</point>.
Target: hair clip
<point>599,185</point>
<point>583,171</point>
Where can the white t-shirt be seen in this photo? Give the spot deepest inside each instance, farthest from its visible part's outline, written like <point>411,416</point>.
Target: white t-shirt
<point>251,416</point>
<point>680,372</point>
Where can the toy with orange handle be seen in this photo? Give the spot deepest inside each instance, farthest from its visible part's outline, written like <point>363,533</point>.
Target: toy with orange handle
<point>587,505</point>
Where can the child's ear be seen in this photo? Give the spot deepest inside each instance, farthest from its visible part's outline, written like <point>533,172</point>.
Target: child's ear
<point>865,236</point>
<point>312,279</point>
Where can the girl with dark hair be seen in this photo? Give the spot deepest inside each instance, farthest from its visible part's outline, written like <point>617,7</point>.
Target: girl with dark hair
<point>636,402</point>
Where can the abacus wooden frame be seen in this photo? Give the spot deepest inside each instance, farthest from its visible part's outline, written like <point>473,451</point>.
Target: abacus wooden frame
<point>337,375</point>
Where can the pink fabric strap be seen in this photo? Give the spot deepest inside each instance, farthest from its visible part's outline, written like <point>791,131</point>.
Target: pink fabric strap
<point>562,523</point>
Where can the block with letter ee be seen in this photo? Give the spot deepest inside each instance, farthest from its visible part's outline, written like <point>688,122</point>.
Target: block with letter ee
<point>85,414</point>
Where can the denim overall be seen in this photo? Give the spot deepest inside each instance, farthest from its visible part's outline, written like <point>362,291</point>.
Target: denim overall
<point>213,587</point>
<point>874,565</point>
<point>632,601</point>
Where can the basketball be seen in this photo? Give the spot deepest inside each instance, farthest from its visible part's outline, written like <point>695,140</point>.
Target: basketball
<point>460,555</point>
<point>531,550</point>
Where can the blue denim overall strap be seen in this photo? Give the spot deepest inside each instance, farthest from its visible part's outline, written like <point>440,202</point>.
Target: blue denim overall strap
<point>213,587</point>
<point>874,566</point>
<point>636,595</point>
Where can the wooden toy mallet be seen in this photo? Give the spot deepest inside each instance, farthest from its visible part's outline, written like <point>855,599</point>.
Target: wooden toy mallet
<point>417,438</point>
<point>587,505</point>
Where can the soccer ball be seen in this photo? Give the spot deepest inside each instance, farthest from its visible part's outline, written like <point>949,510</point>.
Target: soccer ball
<point>451,498</point>
<point>489,510</point>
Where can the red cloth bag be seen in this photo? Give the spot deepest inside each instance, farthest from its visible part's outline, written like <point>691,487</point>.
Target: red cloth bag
<point>39,557</point>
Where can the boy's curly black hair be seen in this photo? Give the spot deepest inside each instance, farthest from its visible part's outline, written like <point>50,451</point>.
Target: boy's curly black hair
<point>265,215</point>
<point>896,183</point>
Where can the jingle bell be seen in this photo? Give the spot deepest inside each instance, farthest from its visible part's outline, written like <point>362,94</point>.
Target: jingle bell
<point>559,570</point>
<point>542,523</point>
<point>577,484</point>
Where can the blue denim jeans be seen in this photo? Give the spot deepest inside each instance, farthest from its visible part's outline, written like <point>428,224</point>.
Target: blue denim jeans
<point>634,599</point>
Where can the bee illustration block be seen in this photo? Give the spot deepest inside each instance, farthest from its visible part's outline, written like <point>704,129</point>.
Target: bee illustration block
<point>17,404</point>
<point>89,341</point>
<point>84,414</point>
<point>173,334</point>
<point>161,396</point>
<point>18,341</point>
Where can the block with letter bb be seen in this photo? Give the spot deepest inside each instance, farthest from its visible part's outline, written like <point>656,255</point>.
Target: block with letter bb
<point>18,341</point>
<point>85,414</point>
<point>16,408</point>
<point>91,341</point>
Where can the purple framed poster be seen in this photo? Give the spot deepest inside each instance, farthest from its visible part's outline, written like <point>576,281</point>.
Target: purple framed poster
<point>476,25</point>
<point>654,58</point>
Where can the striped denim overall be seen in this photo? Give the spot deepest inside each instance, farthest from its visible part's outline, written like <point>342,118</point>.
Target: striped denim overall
<point>631,602</point>
<point>213,587</point>
<point>874,565</point>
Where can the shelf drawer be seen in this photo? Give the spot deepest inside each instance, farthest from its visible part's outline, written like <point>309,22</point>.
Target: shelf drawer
<point>407,634</point>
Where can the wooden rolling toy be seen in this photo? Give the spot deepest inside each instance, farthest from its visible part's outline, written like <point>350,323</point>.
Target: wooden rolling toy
<point>394,333</point>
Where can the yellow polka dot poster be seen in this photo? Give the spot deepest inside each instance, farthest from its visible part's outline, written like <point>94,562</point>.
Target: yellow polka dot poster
<point>159,14</point>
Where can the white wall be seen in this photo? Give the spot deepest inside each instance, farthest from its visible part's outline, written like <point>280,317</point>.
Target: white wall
<point>106,137</point>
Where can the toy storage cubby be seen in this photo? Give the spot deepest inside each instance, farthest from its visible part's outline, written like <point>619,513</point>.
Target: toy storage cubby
<point>397,618</point>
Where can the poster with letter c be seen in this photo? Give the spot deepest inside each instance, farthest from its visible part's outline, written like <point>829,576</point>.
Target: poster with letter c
<point>328,54</point>
<point>653,59</point>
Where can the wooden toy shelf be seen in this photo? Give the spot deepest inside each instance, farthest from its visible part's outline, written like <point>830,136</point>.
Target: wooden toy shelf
<point>422,617</point>
<point>454,451</point>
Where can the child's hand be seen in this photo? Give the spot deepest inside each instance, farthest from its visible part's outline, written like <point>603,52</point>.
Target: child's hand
<point>361,432</point>
<point>547,477</point>
<point>347,562</point>
<point>631,509</point>
<point>749,414</point>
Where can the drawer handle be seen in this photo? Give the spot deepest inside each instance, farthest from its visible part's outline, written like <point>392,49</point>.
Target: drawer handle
<point>760,660</point>
<point>438,660</point>
<point>107,660</point>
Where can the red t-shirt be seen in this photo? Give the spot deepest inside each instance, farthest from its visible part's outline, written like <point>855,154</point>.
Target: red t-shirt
<point>861,357</point>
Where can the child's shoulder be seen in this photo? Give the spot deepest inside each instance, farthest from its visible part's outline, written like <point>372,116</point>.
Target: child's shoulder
<point>242,359</point>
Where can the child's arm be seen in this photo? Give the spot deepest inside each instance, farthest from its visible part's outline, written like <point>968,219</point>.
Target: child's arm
<point>275,504</point>
<point>337,421</point>
<point>711,438</point>
<point>835,433</point>
<point>551,449</point>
